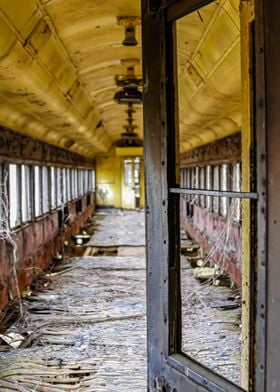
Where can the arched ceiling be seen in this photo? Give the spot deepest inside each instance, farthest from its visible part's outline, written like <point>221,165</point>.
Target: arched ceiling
<point>209,73</point>
<point>58,62</point>
<point>59,59</point>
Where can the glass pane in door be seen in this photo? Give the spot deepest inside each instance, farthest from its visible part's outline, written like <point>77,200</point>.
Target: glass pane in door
<point>215,230</point>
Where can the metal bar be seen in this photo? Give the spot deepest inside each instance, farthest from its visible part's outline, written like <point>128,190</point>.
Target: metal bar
<point>238,195</point>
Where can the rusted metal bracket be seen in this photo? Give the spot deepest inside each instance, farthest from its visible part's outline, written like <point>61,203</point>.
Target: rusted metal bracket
<point>222,151</point>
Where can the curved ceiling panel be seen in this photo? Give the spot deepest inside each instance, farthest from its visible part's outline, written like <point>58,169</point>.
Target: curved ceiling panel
<point>58,63</point>
<point>209,74</point>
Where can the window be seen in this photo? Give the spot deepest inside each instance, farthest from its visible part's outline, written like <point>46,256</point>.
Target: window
<point>81,182</point>
<point>45,193</point>
<point>91,180</point>
<point>38,190</point>
<point>216,185</point>
<point>14,195</point>
<point>58,187</point>
<point>224,187</point>
<point>236,186</point>
<point>86,187</point>
<point>209,186</point>
<point>64,189</point>
<point>202,185</point>
<point>26,198</point>
<point>53,187</point>
<point>72,184</point>
<point>68,184</point>
<point>75,183</point>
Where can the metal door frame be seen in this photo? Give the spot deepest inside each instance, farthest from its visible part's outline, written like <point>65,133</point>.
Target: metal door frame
<point>168,369</point>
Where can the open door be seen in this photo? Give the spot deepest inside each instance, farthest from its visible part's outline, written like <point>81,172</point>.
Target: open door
<point>186,45</point>
<point>131,182</point>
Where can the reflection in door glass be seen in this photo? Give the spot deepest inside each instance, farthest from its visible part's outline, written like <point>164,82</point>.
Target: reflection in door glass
<point>214,322</point>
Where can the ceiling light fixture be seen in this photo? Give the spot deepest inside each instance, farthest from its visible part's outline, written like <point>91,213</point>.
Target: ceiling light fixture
<point>130,39</point>
<point>129,93</point>
<point>129,138</point>
<point>129,23</point>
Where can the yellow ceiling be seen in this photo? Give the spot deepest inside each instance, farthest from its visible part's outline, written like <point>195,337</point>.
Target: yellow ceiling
<point>59,59</point>
<point>209,73</point>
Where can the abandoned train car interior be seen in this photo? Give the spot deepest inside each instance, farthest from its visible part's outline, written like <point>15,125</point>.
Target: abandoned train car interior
<point>139,195</point>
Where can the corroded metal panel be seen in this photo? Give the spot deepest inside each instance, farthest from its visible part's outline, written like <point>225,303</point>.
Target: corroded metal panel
<point>221,151</point>
<point>15,147</point>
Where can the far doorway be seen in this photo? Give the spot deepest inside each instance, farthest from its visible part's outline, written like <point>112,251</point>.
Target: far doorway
<point>131,183</point>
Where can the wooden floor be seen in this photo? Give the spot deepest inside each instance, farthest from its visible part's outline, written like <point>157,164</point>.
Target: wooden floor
<point>88,328</point>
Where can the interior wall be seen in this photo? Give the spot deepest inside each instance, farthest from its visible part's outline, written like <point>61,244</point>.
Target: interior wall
<point>108,180</point>
<point>37,243</point>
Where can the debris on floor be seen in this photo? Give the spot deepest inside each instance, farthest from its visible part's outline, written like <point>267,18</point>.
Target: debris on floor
<point>211,318</point>
<point>119,228</point>
<point>86,331</point>
<point>85,323</point>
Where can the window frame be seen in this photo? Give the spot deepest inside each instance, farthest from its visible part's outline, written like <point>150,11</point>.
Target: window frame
<point>168,368</point>
<point>17,193</point>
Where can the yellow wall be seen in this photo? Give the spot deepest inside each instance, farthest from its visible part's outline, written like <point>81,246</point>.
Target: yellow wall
<point>247,16</point>
<point>109,179</point>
